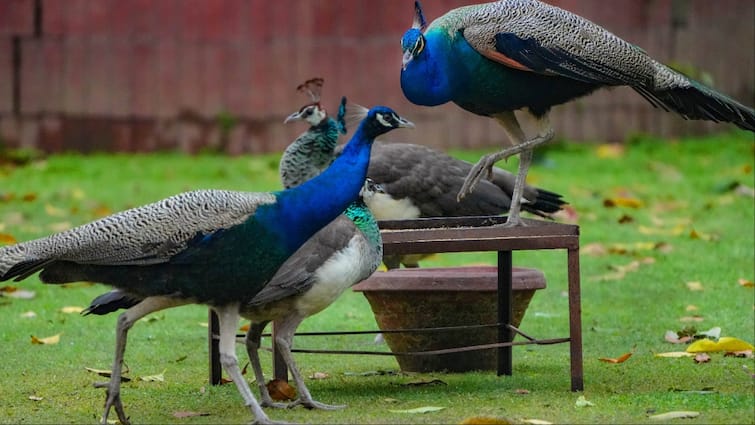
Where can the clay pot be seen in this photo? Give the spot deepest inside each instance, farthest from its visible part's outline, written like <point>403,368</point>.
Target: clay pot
<point>436,297</point>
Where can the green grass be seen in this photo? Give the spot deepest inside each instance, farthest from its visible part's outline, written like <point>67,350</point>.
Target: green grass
<point>682,185</point>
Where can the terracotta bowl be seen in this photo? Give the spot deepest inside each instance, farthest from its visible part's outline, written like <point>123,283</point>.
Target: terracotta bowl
<point>436,297</point>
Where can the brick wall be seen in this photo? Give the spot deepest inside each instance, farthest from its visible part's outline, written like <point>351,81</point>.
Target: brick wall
<point>140,75</point>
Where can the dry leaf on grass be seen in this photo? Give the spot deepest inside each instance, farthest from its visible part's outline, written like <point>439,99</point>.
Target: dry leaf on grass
<point>423,409</point>
<point>71,309</point>
<point>36,398</point>
<point>694,286</point>
<point>583,402</point>
<point>675,354</point>
<point>280,390</point>
<point>674,415</point>
<point>725,343</point>
<point>187,414</point>
<point>28,315</point>
<point>319,375</point>
<point>11,291</point>
<point>160,377</point>
<point>702,358</point>
<point>620,359</point>
<point>746,283</point>
<point>50,340</point>
<point>6,239</point>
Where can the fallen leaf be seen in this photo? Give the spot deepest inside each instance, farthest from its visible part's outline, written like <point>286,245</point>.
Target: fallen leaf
<point>675,354</point>
<point>485,420</point>
<point>28,315</point>
<point>620,359</point>
<point>6,239</point>
<point>622,202</point>
<point>186,414</point>
<point>713,333</point>
<point>53,211</point>
<point>625,219</point>
<point>36,398</point>
<point>596,249</point>
<point>50,340</point>
<point>674,415</point>
<point>29,197</point>
<point>423,409</point>
<point>521,391</point>
<point>724,344</point>
<point>71,309</point>
<point>244,328</point>
<point>694,234</point>
<point>673,231</point>
<point>14,292</point>
<point>536,422</point>
<point>694,286</point>
<point>744,353</point>
<point>743,190</point>
<point>610,150</point>
<point>702,358</point>
<point>583,402</point>
<point>746,283</point>
<point>694,318</point>
<point>691,307</point>
<point>203,324</point>
<point>280,390</point>
<point>422,383</point>
<point>674,338</point>
<point>319,375</point>
<point>160,377</point>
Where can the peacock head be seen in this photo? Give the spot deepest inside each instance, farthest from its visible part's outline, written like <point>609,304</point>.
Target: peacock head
<point>413,41</point>
<point>382,119</point>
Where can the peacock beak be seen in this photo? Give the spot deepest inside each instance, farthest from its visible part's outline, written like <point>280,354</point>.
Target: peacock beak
<point>293,117</point>
<point>404,123</point>
<point>406,59</point>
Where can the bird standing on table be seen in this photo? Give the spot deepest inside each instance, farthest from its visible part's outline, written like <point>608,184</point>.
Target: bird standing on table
<point>494,58</point>
<point>212,247</point>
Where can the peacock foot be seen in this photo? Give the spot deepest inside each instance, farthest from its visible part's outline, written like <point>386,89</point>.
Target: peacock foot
<point>313,404</point>
<point>113,400</point>
<point>483,168</point>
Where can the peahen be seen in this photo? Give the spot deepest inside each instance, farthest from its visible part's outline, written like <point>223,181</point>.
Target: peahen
<point>419,181</point>
<point>494,58</point>
<point>212,247</point>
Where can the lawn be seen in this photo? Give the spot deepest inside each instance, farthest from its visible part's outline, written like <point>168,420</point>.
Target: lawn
<point>667,243</point>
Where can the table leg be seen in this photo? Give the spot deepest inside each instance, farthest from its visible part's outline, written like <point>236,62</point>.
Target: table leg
<point>505,333</point>
<point>280,369</point>
<point>575,321</point>
<point>213,330</point>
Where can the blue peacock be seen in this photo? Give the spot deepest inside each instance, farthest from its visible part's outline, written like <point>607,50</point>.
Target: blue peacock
<point>494,58</point>
<point>213,247</point>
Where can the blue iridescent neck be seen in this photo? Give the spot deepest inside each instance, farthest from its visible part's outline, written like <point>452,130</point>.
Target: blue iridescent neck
<point>427,79</point>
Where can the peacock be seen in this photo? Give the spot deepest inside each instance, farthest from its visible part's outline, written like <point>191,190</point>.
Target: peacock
<point>213,247</point>
<point>494,58</point>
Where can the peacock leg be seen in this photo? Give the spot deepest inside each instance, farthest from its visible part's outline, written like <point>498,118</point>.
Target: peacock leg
<point>283,339</point>
<point>125,321</point>
<point>228,320</point>
<point>520,146</point>
<point>252,341</point>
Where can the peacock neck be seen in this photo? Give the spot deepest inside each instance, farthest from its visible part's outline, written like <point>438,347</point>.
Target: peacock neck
<point>305,209</point>
<point>429,79</point>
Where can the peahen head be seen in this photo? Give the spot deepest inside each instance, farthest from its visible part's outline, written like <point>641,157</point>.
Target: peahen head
<point>313,112</point>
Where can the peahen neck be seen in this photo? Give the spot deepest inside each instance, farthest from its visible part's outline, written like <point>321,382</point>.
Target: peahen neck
<point>363,219</point>
<point>309,154</point>
<point>303,210</point>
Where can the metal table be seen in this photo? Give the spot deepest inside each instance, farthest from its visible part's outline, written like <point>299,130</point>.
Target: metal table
<point>473,234</point>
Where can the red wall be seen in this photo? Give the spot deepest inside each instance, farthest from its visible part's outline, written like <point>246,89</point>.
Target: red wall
<point>138,75</point>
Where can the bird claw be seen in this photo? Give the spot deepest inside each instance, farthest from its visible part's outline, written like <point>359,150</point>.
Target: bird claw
<point>484,165</point>
<point>113,400</point>
<point>312,404</point>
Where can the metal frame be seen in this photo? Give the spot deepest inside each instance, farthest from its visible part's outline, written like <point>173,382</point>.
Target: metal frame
<point>471,234</point>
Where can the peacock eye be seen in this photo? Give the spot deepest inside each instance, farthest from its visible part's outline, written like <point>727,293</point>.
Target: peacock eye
<point>419,46</point>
